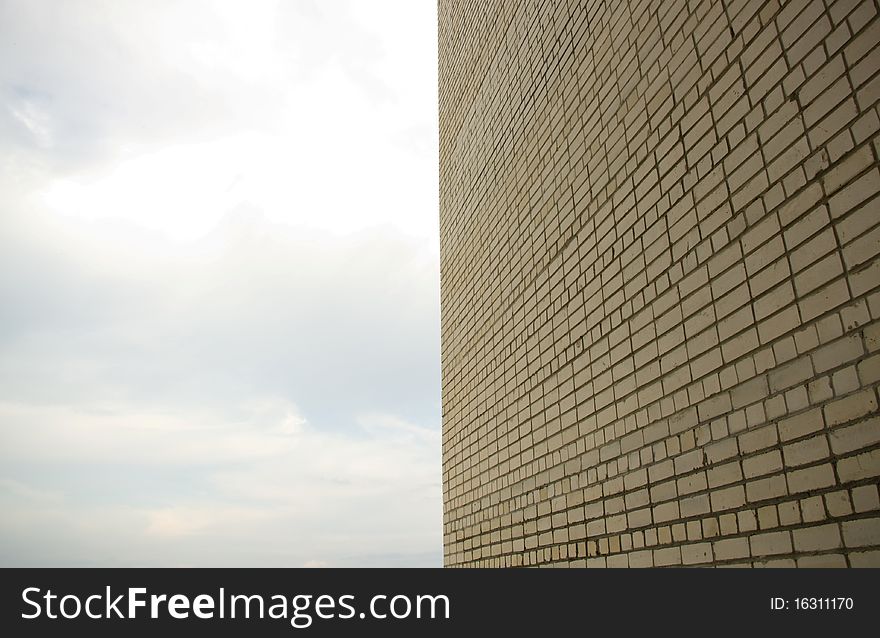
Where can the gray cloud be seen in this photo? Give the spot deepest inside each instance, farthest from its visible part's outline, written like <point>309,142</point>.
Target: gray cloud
<point>262,389</point>
<point>325,321</point>
<point>153,392</point>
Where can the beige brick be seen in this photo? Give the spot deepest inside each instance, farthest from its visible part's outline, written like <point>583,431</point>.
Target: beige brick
<point>667,556</point>
<point>666,512</point>
<point>689,461</point>
<point>801,424</point>
<point>865,498</point>
<point>767,517</point>
<point>813,509</point>
<point>859,240</point>
<point>728,498</point>
<point>731,548</point>
<point>696,554</point>
<point>806,451</point>
<point>818,274</point>
<point>855,194</point>
<point>869,370</point>
<point>791,374</point>
<point>642,558</point>
<point>838,503</point>
<point>858,253</point>
<point>872,337</point>
<point>714,406</point>
<point>837,353</point>
<point>750,391</point>
<point>844,171</point>
<point>727,524</point>
<point>850,407</point>
<point>762,464</point>
<point>710,527</point>
<point>822,561</point>
<point>759,439</point>
<point>747,520</point>
<point>766,488</point>
<point>856,436</point>
<point>798,207</point>
<point>660,308</point>
<point>694,505</point>
<point>860,466</point>
<point>770,543</point>
<point>810,478</point>
<point>819,538</point>
<point>861,532</point>
<point>865,559</point>
<point>789,513</point>
<point>724,474</point>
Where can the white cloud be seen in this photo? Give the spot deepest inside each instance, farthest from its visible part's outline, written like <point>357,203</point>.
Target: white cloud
<point>219,284</point>
<point>170,114</point>
<point>267,482</point>
<point>35,120</point>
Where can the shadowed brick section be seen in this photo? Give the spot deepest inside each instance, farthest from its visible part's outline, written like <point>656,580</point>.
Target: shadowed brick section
<point>660,258</point>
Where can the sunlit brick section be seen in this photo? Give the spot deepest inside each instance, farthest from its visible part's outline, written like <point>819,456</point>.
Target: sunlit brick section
<point>660,262</point>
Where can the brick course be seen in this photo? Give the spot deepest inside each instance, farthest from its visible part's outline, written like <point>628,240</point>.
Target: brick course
<point>660,282</point>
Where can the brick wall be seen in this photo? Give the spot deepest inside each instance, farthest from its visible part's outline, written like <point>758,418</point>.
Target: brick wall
<point>660,257</point>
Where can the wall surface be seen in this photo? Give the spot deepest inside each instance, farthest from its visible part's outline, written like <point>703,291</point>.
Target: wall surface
<point>660,255</point>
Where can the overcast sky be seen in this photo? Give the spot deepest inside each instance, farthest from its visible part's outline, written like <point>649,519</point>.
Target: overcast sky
<point>219,305</point>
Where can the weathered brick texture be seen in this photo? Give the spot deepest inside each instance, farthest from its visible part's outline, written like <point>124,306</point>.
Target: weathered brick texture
<point>660,256</point>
